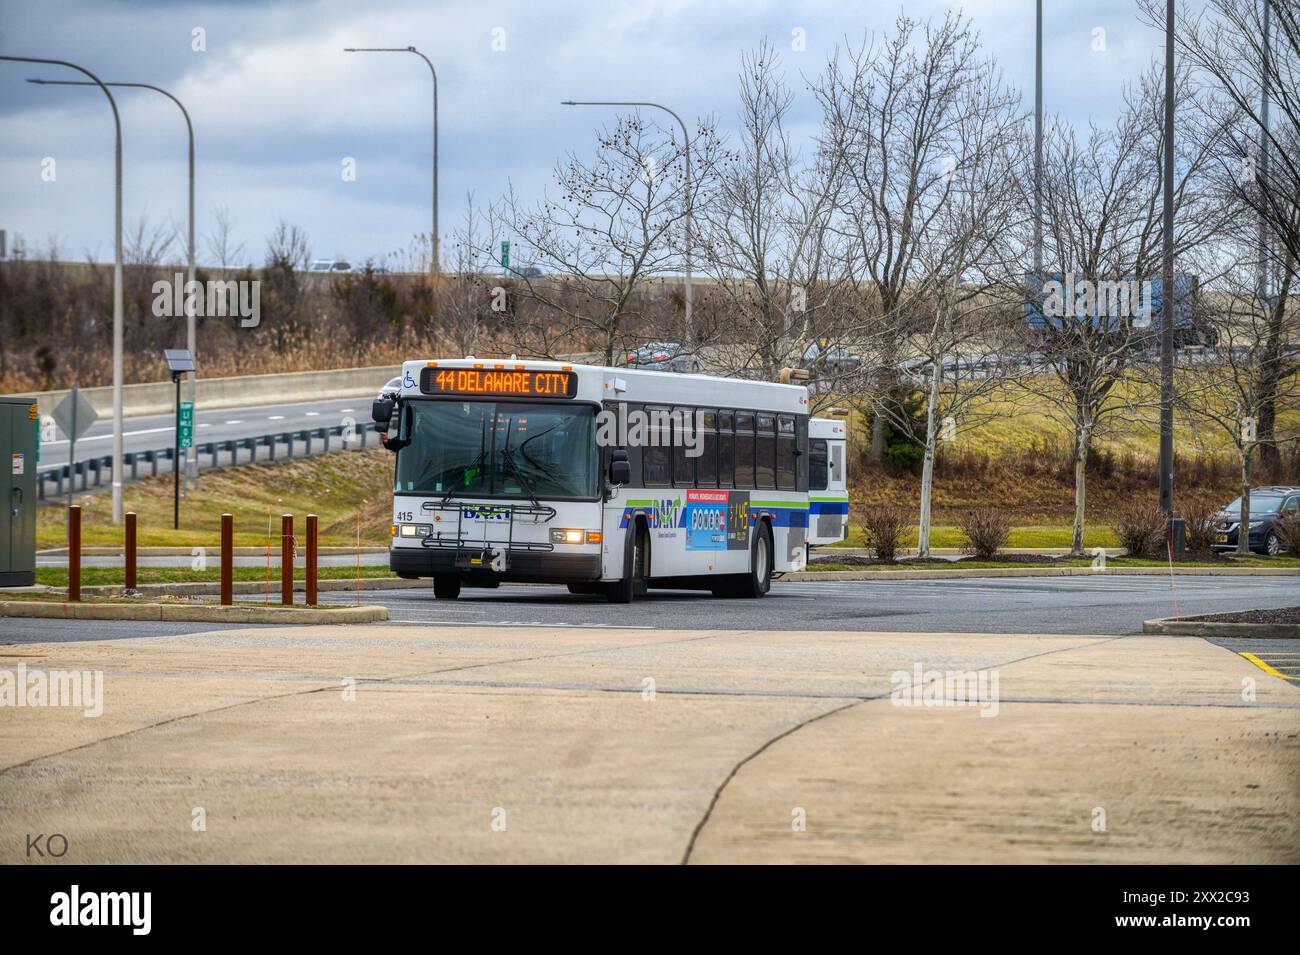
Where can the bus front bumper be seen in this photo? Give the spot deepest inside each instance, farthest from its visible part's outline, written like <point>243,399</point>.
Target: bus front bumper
<point>522,566</point>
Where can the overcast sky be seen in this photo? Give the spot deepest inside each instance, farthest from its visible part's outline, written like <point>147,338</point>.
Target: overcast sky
<point>277,105</point>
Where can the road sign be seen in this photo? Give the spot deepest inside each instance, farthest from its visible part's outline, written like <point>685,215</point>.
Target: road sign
<point>74,415</point>
<point>505,255</point>
<point>185,424</point>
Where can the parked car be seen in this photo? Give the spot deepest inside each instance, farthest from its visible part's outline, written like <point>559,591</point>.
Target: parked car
<point>1267,506</point>
<point>663,356</point>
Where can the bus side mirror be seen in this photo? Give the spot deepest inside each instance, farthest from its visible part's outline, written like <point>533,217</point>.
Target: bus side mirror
<point>620,472</point>
<point>381,411</point>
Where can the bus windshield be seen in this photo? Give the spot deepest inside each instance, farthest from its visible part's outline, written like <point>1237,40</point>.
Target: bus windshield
<point>499,449</point>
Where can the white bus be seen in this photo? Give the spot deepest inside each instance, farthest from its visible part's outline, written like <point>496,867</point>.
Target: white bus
<point>609,480</point>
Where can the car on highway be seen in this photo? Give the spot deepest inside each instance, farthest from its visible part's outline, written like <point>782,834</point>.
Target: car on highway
<point>1268,506</point>
<point>663,356</point>
<point>329,265</point>
<point>390,389</point>
<point>821,358</point>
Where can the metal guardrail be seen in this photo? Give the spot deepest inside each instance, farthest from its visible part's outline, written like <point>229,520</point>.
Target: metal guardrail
<point>94,469</point>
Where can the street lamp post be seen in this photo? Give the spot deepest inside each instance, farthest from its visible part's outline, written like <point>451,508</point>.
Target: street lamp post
<point>191,455</point>
<point>1167,305</point>
<point>686,136</point>
<point>117,274</point>
<point>1038,147</point>
<point>436,246</point>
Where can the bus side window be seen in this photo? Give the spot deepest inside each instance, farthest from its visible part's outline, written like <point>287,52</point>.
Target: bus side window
<point>726,450</point>
<point>706,465</point>
<point>786,468</point>
<point>818,465</point>
<point>657,455</point>
<point>744,449</point>
<point>765,451</point>
<point>837,463</point>
<point>683,465</point>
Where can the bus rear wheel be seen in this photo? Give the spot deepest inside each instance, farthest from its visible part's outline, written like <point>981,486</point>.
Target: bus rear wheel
<point>758,581</point>
<point>446,586</point>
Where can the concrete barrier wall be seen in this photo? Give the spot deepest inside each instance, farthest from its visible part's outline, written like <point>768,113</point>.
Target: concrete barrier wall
<point>159,397</point>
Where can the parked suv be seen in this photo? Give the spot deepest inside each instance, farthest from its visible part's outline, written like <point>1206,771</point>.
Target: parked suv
<point>1267,505</point>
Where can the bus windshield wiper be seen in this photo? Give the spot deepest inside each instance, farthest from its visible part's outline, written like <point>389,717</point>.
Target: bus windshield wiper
<point>508,456</point>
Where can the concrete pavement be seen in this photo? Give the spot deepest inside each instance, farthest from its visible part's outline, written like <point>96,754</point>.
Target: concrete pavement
<point>445,744</point>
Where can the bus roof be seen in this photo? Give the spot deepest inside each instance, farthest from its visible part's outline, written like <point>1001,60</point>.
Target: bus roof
<point>600,383</point>
<point>827,428</point>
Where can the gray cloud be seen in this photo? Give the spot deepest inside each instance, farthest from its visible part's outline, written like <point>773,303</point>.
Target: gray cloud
<point>277,105</point>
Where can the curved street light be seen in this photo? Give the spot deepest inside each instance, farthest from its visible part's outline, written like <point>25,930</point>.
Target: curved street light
<point>191,455</point>
<point>117,275</point>
<point>436,246</point>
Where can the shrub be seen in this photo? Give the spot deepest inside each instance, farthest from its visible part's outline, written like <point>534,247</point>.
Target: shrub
<point>1140,526</point>
<point>882,528</point>
<point>1200,515</point>
<point>1287,527</point>
<point>986,530</point>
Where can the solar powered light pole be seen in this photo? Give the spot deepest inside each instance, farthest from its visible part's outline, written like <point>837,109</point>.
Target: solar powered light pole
<point>179,361</point>
<point>436,246</point>
<point>117,275</point>
<point>191,462</point>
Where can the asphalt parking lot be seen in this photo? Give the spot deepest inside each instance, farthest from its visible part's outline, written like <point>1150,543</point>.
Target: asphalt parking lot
<point>1091,605</point>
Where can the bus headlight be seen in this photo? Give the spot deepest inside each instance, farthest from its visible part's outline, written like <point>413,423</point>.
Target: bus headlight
<point>566,535</point>
<point>415,530</point>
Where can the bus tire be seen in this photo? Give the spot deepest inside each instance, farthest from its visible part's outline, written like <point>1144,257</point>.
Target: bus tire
<point>446,586</point>
<point>636,558</point>
<point>758,581</point>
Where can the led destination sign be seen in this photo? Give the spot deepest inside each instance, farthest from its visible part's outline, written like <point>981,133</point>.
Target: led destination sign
<point>483,381</point>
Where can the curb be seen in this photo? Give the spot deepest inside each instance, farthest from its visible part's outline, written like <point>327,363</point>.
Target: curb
<point>201,613</point>
<point>1193,627</point>
<point>1042,572</point>
<point>201,587</point>
<point>114,551</point>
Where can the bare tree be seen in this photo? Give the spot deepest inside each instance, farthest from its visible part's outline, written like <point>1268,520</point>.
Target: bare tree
<point>933,142</point>
<point>220,241</point>
<point>1228,388</point>
<point>1248,51</point>
<point>618,221</point>
<point>763,231</point>
<point>1102,210</point>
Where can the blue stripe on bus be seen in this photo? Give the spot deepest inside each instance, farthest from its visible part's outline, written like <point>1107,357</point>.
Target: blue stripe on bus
<point>828,507</point>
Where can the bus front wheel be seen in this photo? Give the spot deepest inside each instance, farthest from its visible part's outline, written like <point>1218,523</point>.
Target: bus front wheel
<point>634,576</point>
<point>446,586</point>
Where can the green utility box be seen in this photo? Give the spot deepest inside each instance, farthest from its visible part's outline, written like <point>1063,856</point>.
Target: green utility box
<point>19,433</point>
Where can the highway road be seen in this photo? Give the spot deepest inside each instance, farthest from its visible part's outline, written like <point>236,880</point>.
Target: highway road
<point>158,431</point>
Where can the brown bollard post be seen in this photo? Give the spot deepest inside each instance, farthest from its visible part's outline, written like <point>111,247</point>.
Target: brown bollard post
<point>311,559</point>
<point>74,552</point>
<point>286,559</point>
<point>227,559</point>
<point>129,582</point>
